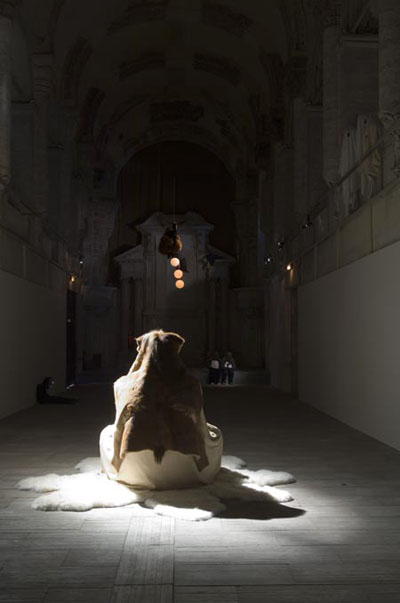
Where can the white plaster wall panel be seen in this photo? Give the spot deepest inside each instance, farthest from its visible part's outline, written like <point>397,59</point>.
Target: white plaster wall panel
<point>21,150</point>
<point>11,253</point>
<point>280,348</point>
<point>356,236</point>
<point>386,217</point>
<point>327,256</point>
<point>32,339</point>
<point>349,344</point>
<point>35,267</point>
<point>307,267</point>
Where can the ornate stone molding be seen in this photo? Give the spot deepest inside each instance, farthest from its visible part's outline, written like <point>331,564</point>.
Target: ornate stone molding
<point>219,66</point>
<point>43,75</point>
<point>175,111</point>
<point>146,62</point>
<point>391,122</point>
<point>75,62</point>
<point>140,11</point>
<point>220,15</point>
<point>91,106</point>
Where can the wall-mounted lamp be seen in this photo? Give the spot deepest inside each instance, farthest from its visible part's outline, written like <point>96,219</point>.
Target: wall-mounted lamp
<point>289,267</point>
<point>179,284</point>
<point>174,261</point>
<point>72,278</point>
<point>178,273</point>
<point>308,222</point>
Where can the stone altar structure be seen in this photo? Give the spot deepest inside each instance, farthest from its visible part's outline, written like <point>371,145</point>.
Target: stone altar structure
<point>149,298</point>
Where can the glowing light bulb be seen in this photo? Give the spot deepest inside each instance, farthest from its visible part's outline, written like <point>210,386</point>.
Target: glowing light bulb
<point>174,262</point>
<point>289,267</point>
<point>72,278</point>
<point>179,284</point>
<point>178,273</point>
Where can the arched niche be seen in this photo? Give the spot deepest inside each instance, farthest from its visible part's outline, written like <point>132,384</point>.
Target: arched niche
<point>180,176</point>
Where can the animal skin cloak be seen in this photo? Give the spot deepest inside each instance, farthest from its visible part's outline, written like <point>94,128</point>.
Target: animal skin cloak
<point>158,405</point>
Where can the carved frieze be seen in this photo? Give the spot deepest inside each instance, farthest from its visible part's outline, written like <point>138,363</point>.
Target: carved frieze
<point>175,111</point>
<point>139,11</point>
<point>220,15</point>
<point>146,62</point>
<point>219,66</point>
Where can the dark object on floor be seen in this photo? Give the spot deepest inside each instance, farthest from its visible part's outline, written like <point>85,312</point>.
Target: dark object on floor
<point>43,397</point>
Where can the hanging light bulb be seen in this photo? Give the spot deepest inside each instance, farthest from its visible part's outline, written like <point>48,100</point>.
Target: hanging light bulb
<point>174,262</point>
<point>289,267</point>
<point>179,284</point>
<point>178,273</point>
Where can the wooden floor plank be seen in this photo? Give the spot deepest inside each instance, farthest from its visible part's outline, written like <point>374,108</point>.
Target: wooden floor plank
<point>337,542</point>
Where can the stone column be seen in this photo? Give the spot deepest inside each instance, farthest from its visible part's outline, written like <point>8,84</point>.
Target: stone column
<point>6,11</point>
<point>389,73</point>
<point>330,91</point>
<point>43,83</point>
<point>124,313</point>
<point>138,306</point>
<point>211,315</point>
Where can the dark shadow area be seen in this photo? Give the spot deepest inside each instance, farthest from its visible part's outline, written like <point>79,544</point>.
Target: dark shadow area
<point>240,509</point>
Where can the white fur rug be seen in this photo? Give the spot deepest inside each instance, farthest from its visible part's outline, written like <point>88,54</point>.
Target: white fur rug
<point>92,489</point>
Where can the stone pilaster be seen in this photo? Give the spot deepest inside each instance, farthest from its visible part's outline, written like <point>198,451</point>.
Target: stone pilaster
<point>6,14</point>
<point>43,85</point>
<point>211,315</point>
<point>331,135</point>
<point>125,291</point>
<point>389,73</point>
<point>138,306</point>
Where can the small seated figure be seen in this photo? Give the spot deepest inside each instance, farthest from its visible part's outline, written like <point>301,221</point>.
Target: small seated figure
<point>160,438</point>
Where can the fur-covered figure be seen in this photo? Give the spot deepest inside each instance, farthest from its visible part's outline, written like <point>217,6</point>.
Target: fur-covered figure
<point>158,405</point>
<point>170,243</point>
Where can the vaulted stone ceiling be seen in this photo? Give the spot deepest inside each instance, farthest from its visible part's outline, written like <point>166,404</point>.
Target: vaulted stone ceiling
<point>141,71</point>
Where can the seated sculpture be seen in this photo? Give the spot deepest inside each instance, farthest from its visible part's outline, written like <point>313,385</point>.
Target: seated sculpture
<point>160,438</point>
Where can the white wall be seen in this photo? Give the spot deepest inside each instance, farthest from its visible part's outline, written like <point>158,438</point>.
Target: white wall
<point>32,340</point>
<point>349,344</point>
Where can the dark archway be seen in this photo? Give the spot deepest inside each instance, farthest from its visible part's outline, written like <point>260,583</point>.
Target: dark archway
<point>175,175</point>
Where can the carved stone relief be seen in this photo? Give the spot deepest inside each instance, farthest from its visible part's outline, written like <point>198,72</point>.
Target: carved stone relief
<point>225,18</point>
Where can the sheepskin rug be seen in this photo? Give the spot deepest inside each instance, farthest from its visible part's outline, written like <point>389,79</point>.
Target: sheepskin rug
<point>90,488</point>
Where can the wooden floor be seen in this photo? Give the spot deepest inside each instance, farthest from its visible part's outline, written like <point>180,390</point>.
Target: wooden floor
<point>338,541</point>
